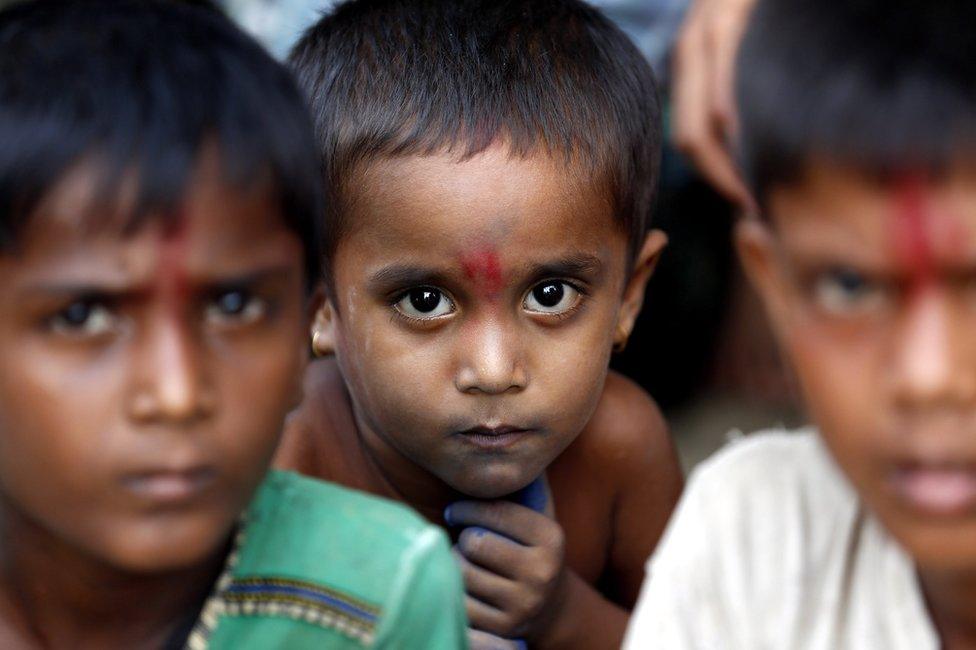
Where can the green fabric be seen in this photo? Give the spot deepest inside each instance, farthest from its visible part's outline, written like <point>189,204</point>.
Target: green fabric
<point>377,555</point>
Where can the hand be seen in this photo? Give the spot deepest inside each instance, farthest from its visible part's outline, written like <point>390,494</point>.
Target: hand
<point>703,108</point>
<point>512,563</point>
<point>478,640</point>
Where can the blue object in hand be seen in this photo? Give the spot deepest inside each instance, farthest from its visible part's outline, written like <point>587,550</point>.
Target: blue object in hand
<point>533,496</point>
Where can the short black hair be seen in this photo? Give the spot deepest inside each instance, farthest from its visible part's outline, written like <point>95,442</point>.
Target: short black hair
<point>885,86</point>
<point>144,85</point>
<point>388,78</point>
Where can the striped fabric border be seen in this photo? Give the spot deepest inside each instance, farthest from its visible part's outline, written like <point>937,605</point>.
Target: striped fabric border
<point>214,607</point>
<point>278,596</point>
<point>300,600</point>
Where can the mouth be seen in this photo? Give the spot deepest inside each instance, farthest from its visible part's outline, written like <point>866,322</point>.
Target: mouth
<point>941,491</point>
<point>167,486</point>
<point>494,438</point>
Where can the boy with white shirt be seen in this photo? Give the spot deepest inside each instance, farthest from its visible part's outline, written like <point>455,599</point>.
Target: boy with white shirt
<point>858,137</point>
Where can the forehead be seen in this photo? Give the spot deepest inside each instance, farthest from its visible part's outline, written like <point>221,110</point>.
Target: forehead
<point>846,210</point>
<point>441,203</point>
<point>213,221</point>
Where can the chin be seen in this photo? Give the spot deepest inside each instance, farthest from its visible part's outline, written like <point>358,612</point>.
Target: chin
<point>491,482</point>
<point>936,545</point>
<point>941,550</point>
<point>149,552</point>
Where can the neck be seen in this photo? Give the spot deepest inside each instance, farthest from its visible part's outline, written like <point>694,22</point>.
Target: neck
<point>951,600</point>
<point>404,479</point>
<point>57,596</point>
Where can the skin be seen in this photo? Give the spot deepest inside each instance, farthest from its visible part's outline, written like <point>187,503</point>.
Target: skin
<point>143,382</point>
<point>871,287</point>
<point>703,111</point>
<point>389,412</point>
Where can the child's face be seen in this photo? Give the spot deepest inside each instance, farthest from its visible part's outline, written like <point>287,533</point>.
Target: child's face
<point>144,378</point>
<point>475,307</point>
<point>872,288</point>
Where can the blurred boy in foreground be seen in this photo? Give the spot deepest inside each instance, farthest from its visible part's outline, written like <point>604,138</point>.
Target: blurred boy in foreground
<point>858,136</point>
<point>159,242</point>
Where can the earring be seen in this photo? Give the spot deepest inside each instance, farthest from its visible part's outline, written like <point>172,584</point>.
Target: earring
<point>316,350</point>
<point>620,340</point>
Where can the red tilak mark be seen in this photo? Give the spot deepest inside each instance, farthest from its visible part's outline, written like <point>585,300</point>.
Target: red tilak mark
<point>924,238</point>
<point>171,280</point>
<point>912,230</point>
<point>483,266</point>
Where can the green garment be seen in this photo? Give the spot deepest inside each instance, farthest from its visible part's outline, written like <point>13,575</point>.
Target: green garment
<point>320,566</point>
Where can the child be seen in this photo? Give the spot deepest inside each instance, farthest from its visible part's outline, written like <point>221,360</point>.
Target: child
<point>491,167</point>
<point>858,129</point>
<point>158,206</point>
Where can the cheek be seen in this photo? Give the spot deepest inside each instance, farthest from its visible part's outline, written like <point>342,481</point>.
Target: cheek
<point>830,377</point>
<point>60,443</point>
<point>393,377</point>
<point>58,415</point>
<point>568,367</point>
<point>258,387</point>
<point>570,371</point>
<point>841,383</point>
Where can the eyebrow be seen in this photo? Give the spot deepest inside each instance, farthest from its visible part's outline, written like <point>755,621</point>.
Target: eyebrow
<point>396,276</point>
<point>405,275</point>
<point>577,265</point>
<point>111,287</point>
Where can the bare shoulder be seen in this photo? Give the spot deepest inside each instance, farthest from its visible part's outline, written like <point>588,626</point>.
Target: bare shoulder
<point>626,459</point>
<point>323,384</point>
<point>627,431</point>
<point>312,428</point>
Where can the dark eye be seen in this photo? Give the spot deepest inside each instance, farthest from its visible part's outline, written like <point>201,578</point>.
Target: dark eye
<point>424,303</point>
<point>84,318</point>
<point>551,297</point>
<point>846,291</point>
<point>235,306</point>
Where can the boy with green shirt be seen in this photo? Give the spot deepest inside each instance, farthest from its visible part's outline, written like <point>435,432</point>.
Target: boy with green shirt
<point>159,206</point>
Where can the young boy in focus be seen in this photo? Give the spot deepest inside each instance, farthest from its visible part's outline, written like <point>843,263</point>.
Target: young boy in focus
<point>159,239</point>
<point>858,135</point>
<point>491,168</point>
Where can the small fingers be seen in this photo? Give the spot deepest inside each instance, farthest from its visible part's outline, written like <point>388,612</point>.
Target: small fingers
<point>486,586</point>
<point>492,551</point>
<point>512,520</point>
<point>479,640</point>
<point>532,572</point>
<point>488,618</point>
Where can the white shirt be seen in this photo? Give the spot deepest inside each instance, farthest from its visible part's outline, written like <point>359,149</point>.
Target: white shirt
<point>771,548</point>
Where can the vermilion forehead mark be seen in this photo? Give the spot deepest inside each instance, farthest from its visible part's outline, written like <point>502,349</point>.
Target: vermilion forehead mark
<point>925,236</point>
<point>912,228</point>
<point>483,266</point>
<point>171,277</point>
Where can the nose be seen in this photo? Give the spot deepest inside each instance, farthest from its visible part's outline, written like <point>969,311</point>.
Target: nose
<point>491,361</point>
<point>170,384</point>
<point>933,352</point>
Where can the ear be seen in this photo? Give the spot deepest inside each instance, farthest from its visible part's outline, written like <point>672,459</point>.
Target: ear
<point>312,306</point>
<point>633,298</point>
<point>322,327</point>
<point>757,253</point>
